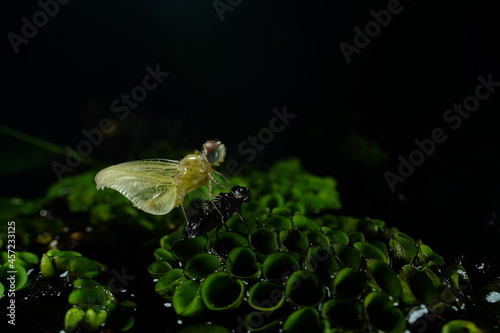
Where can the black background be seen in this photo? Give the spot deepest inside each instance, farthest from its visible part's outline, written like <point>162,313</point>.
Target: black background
<point>227,76</point>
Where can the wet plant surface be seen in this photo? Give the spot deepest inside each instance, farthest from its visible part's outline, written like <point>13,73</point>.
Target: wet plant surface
<point>290,261</point>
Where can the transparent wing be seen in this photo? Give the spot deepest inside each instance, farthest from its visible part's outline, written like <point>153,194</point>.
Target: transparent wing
<point>147,183</point>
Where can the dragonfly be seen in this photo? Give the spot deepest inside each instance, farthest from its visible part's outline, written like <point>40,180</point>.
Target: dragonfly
<point>156,186</point>
<point>215,213</point>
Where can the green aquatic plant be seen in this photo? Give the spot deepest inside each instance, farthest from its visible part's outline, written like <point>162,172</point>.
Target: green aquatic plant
<point>92,304</point>
<point>291,262</point>
<point>344,274</point>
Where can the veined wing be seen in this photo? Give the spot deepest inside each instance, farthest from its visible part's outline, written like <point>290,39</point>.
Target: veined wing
<point>147,183</point>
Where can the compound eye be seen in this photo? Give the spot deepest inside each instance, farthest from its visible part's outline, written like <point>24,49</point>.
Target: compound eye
<point>210,146</point>
<point>215,151</point>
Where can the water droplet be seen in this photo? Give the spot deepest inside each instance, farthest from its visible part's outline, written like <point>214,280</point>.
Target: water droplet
<point>493,297</point>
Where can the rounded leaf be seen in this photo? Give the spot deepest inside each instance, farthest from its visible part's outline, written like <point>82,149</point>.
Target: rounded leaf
<point>460,326</point>
<point>242,262</point>
<point>162,254</point>
<point>282,211</point>
<point>382,277</point>
<point>279,266</point>
<point>349,256</point>
<point>349,283</point>
<point>237,223</point>
<point>188,247</point>
<point>303,223</point>
<point>371,251</point>
<point>266,296</point>
<point>356,236</point>
<point>294,240</point>
<point>303,288</point>
<point>427,254</point>
<point>62,259</point>
<point>85,283</point>
<point>158,268</point>
<point>224,242</point>
<point>187,301</point>
<point>264,240</point>
<point>260,321</point>
<point>73,317</point>
<point>417,287</point>
<point>344,313</point>
<point>322,262</point>
<point>278,222</point>
<point>47,267</point>
<point>166,285</point>
<point>339,237</point>
<point>220,291</point>
<point>84,268</point>
<point>402,247</point>
<point>201,265</point>
<point>27,259</point>
<point>317,238</point>
<point>303,320</point>
<point>382,314</point>
<point>95,319</point>
<point>88,296</point>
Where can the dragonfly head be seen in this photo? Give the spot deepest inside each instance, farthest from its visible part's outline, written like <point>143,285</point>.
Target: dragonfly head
<point>215,152</point>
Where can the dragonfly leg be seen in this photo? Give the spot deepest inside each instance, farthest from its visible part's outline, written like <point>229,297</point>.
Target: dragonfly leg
<point>218,183</point>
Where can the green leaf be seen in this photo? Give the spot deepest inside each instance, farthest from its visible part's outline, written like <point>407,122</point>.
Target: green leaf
<point>279,265</point>
<point>266,296</point>
<point>383,278</point>
<point>220,291</point>
<point>95,320</point>
<point>242,263</point>
<point>202,265</point>
<point>84,268</point>
<point>74,316</point>
<point>166,285</point>
<point>187,301</point>
<point>371,251</point>
<point>264,240</point>
<point>88,296</point>
<point>344,313</point>
<point>349,283</point>
<point>303,288</point>
<point>303,320</point>
<point>158,268</point>
<point>382,314</point>
<point>460,326</point>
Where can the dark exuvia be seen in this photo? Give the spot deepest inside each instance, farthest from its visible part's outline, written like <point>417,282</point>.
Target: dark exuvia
<point>214,213</point>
